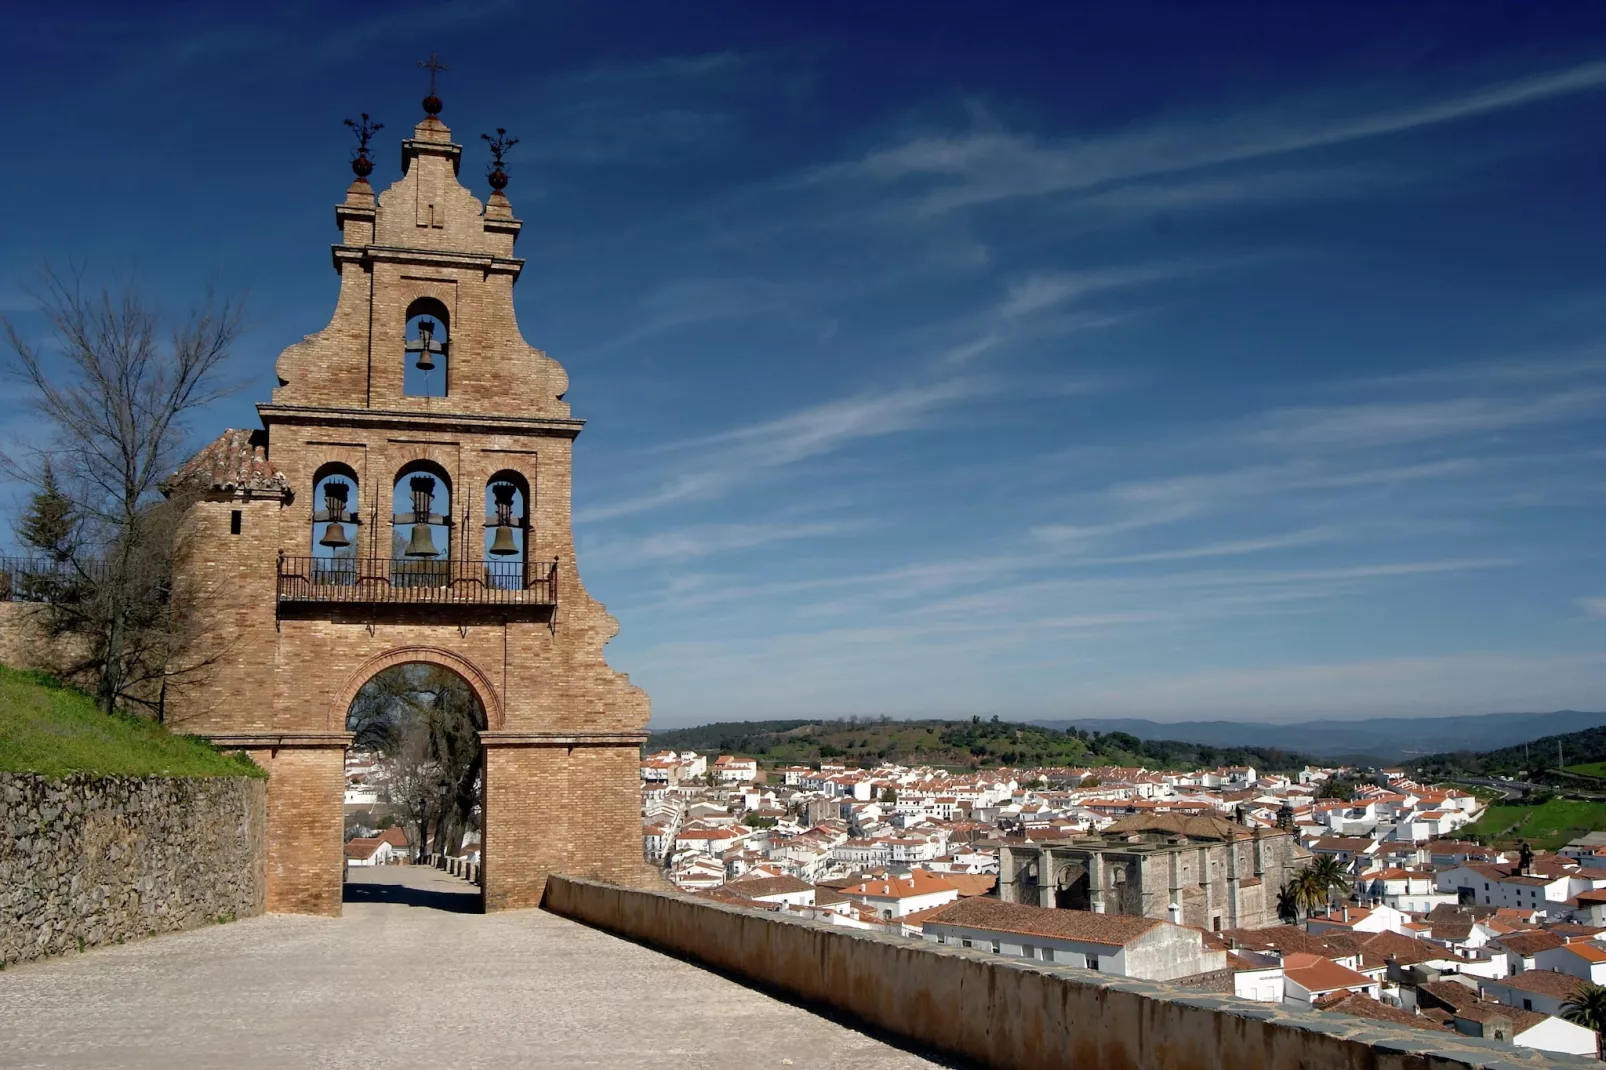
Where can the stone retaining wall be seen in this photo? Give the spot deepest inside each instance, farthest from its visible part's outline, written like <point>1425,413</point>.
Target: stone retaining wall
<point>1007,1012</point>
<point>87,860</point>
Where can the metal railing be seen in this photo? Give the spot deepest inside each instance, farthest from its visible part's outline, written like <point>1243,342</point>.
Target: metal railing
<point>303,578</point>
<point>32,579</point>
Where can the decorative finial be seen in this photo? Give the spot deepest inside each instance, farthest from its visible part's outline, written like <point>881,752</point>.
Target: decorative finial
<point>496,173</point>
<point>432,103</point>
<point>361,165</point>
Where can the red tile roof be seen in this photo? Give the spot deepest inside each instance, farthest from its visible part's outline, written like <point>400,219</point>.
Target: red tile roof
<point>1316,974</point>
<point>1113,930</point>
<point>236,460</point>
<point>1366,1007</point>
<point>918,882</point>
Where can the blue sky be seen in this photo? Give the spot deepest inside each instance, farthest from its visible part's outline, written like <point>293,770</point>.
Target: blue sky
<point>1085,360</point>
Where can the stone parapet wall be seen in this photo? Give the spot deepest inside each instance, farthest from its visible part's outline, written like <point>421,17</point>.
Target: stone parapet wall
<point>1005,1012</point>
<point>87,860</point>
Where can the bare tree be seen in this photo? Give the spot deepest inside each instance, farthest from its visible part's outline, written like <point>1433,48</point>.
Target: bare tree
<point>116,387</point>
<point>423,720</point>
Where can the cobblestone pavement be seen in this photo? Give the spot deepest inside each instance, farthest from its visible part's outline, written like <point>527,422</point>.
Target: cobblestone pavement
<point>401,982</point>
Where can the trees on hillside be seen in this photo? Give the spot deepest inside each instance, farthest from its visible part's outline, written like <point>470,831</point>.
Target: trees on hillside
<point>114,387</point>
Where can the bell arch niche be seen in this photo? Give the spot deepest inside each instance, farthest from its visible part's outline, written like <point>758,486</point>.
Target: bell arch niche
<point>427,351</point>
<point>507,529</point>
<point>336,519</point>
<point>421,525</point>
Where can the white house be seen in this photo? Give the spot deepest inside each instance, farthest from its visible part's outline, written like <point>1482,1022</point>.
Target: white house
<point>1308,976</point>
<point>655,840</point>
<point>1121,944</point>
<point>1534,990</point>
<point>732,770</point>
<point>1505,886</point>
<point>1350,919</point>
<point>1584,959</point>
<point>893,897</point>
<point>1525,1029</point>
<point>787,891</point>
<point>387,848</point>
<point>1256,976</point>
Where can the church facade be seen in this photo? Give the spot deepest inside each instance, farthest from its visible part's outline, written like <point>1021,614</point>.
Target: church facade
<point>407,500</point>
<point>1204,871</point>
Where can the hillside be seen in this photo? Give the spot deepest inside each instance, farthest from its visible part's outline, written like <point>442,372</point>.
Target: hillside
<point>959,744</point>
<point>1384,739</point>
<point>1578,751</point>
<point>1547,826</point>
<point>50,729</point>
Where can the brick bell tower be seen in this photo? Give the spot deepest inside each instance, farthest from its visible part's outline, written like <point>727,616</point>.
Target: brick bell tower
<point>407,500</point>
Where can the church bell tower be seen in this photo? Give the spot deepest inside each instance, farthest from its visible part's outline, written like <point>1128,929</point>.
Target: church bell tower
<point>407,500</point>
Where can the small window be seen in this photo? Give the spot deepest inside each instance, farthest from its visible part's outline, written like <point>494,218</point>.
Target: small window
<point>1092,962</point>
<point>235,519</point>
<point>997,947</point>
<point>1527,1004</point>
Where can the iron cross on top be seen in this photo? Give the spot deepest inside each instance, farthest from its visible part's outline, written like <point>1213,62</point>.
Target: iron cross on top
<point>434,66</point>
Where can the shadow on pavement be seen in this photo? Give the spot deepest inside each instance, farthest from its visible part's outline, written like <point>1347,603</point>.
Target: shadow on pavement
<point>465,902</point>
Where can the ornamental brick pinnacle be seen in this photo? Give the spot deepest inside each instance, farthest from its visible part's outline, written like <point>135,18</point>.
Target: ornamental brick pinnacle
<point>563,727</point>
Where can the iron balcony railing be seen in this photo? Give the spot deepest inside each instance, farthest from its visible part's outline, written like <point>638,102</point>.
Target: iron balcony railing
<point>408,581</point>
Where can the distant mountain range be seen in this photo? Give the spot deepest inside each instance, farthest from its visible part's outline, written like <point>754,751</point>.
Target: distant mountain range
<point>1387,739</point>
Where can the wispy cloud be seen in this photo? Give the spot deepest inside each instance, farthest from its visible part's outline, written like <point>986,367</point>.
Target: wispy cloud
<point>734,457</point>
<point>690,543</point>
<point>1593,606</point>
<point>1229,548</point>
<point>1041,292</point>
<point>1384,423</point>
<point>989,165</point>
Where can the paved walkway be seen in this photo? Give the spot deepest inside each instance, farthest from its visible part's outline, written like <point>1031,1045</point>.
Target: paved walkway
<point>398,985</point>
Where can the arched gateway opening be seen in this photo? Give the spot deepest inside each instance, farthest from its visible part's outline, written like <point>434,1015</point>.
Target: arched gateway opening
<point>415,789</point>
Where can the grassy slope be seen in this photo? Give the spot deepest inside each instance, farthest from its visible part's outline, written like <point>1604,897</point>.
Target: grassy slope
<point>1547,826</point>
<point>1589,769</point>
<point>52,730</point>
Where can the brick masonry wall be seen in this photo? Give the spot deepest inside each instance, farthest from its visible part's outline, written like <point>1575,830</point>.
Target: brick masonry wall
<point>86,861</point>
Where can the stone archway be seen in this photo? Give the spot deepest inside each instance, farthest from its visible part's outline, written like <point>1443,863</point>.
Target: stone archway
<point>477,680</point>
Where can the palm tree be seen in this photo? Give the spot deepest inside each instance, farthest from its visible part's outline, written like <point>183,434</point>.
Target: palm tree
<point>1299,895</point>
<point>1586,1007</point>
<point>1310,890</point>
<point>1288,903</point>
<point>1328,874</point>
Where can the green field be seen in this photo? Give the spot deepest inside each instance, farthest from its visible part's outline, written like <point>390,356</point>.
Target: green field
<point>1545,827</point>
<point>1588,769</point>
<point>52,730</point>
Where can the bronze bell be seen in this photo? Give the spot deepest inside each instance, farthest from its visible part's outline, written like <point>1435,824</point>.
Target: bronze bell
<point>426,339</point>
<point>502,544</point>
<point>421,544</point>
<point>334,536</point>
<point>334,504</point>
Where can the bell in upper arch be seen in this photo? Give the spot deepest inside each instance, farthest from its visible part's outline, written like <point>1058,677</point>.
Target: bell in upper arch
<point>502,544</point>
<point>334,536</point>
<point>426,346</point>
<point>421,544</point>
